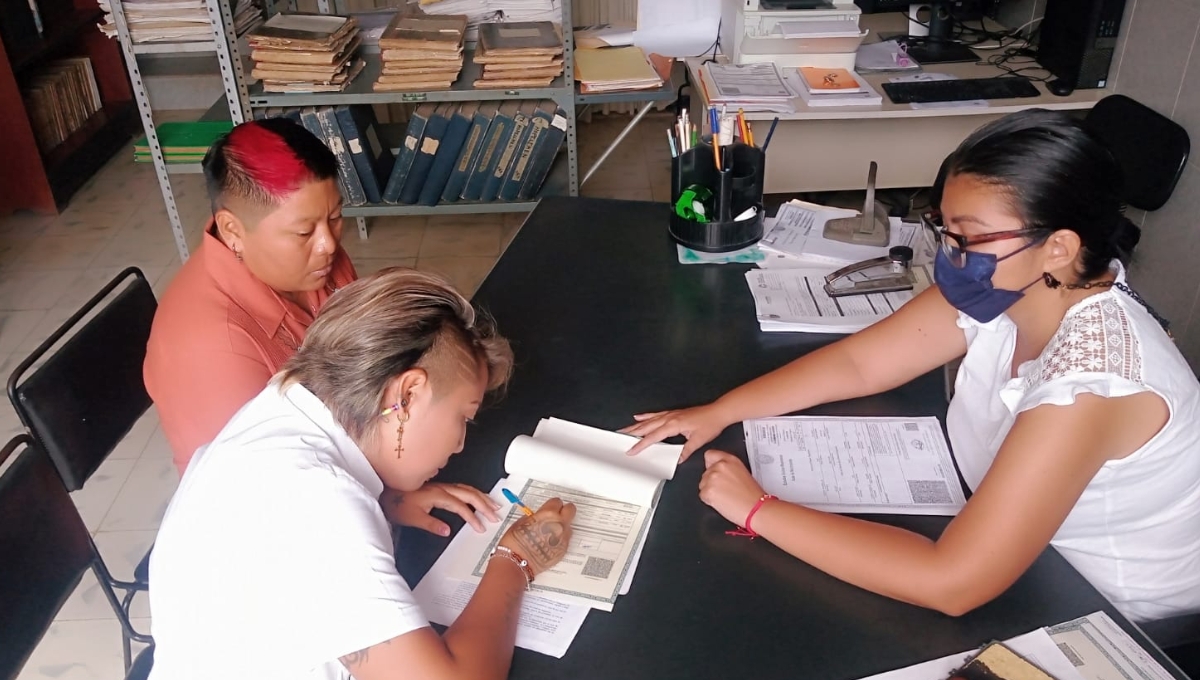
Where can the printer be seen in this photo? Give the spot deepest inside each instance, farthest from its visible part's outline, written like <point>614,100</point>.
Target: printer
<point>791,33</point>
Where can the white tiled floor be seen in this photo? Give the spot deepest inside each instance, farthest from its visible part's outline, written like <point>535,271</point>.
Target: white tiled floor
<point>49,266</point>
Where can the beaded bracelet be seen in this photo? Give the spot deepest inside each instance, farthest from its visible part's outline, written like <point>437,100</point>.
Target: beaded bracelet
<point>516,559</point>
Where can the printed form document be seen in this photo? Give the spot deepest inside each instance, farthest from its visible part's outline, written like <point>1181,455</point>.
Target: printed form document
<point>856,465</point>
<point>614,495</point>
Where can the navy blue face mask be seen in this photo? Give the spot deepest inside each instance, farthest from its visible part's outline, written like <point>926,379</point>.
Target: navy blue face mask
<point>969,288</point>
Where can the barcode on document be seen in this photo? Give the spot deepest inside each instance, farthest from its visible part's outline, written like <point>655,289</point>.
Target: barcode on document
<point>597,567</point>
<point>911,427</point>
<point>929,492</point>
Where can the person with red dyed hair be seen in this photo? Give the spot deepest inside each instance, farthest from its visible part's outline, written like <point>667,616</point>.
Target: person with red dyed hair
<point>242,304</point>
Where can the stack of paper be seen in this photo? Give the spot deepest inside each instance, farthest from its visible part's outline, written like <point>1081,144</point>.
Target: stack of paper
<point>491,11</point>
<point>613,69</point>
<point>174,20</point>
<point>752,87</point>
<point>305,53</point>
<point>795,237</point>
<point>854,90</point>
<point>421,52</point>
<point>615,496</point>
<point>522,54</point>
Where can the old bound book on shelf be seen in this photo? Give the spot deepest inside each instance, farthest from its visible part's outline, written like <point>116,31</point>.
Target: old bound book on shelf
<point>300,31</point>
<point>526,38</point>
<point>424,33</point>
<point>421,53</point>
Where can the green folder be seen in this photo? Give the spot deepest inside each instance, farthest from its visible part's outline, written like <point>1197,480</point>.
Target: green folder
<point>179,139</point>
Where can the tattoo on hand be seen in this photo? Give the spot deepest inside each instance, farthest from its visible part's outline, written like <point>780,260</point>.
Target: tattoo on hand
<point>543,542</point>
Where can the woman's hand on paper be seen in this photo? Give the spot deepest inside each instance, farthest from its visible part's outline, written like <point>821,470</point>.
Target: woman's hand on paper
<point>699,425</point>
<point>413,509</point>
<point>728,487</point>
<point>542,538</point>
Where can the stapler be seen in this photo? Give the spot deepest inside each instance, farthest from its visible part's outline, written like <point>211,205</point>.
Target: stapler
<point>887,274</point>
<point>868,229</point>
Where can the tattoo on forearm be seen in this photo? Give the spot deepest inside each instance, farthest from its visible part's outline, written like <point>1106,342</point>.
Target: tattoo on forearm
<point>355,659</point>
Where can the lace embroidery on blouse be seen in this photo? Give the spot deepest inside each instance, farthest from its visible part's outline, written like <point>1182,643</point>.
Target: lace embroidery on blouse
<point>1097,338</point>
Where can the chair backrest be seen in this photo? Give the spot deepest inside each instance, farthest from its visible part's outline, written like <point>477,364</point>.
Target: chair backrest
<point>85,398</point>
<point>1151,149</point>
<point>45,546</point>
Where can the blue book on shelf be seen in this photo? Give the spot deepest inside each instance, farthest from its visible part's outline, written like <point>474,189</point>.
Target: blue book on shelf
<point>423,163</point>
<point>447,153</point>
<point>470,152</point>
<point>408,152</point>
<point>520,132</point>
<point>493,144</point>
<point>545,153</point>
<point>331,134</point>
<point>539,122</point>
<point>372,160</point>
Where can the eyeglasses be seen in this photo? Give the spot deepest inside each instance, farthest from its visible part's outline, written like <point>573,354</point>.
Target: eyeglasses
<point>954,246</point>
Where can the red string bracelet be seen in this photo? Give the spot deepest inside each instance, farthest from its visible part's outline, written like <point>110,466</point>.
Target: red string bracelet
<point>745,529</point>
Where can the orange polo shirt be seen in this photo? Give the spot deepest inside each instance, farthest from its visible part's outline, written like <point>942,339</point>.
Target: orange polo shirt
<point>218,337</point>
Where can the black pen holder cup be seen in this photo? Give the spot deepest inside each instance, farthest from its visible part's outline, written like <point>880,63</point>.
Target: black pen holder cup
<point>735,189</point>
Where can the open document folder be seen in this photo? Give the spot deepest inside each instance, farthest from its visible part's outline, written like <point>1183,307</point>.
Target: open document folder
<point>614,495</point>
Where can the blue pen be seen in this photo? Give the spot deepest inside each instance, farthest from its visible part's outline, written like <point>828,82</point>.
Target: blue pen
<point>714,122</point>
<point>512,498</point>
<point>769,133</point>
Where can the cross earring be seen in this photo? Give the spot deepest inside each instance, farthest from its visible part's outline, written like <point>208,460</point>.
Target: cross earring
<point>401,408</point>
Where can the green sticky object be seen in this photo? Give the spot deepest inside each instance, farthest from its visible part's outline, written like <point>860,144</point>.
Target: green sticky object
<point>691,203</point>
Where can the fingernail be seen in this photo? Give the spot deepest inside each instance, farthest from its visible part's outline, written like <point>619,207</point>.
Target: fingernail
<point>445,531</point>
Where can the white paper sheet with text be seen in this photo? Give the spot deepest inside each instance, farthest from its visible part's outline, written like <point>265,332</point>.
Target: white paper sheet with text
<point>1100,650</point>
<point>794,300</point>
<point>856,465</point>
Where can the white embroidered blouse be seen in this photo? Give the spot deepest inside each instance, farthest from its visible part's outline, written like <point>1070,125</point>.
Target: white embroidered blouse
<point>1135,530</point>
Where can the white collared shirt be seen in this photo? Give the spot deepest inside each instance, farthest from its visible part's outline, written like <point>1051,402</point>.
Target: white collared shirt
<point>1135,530</point>
<point>274,558</point>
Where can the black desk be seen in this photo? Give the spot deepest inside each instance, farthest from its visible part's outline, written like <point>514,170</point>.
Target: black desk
<point>604,324</point>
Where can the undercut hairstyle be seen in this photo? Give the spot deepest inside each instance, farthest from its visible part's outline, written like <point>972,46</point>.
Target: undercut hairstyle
<point>264,161</point>
<point>378,327</point>
<point>1056,175</point>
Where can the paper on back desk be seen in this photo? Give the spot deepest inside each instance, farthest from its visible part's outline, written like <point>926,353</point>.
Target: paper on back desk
<point>593,461</point>
<point>1035,647</point>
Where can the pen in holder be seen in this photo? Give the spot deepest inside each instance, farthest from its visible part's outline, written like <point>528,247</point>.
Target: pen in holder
<point>735,189</point>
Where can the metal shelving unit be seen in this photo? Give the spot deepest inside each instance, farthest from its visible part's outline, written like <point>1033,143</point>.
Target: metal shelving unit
<point>232,103</point>
<point>564,175</point>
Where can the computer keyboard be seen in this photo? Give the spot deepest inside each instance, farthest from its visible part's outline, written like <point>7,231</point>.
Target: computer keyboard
<point>964,89</point>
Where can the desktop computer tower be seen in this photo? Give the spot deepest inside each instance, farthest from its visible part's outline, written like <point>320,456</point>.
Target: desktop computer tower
<point>1078,38</point>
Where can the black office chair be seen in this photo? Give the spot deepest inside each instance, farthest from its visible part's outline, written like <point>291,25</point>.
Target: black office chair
<point>47,549</point>
<point>82,401</point>
<point>1152,151</point>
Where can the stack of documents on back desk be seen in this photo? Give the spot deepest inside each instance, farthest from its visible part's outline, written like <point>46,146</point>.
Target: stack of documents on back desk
<point>856,465</point>
<point>614,495</point>
<point>752,87</point>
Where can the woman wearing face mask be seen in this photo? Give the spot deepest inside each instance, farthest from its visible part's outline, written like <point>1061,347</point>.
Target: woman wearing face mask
<point>1075,420</point>
<point>274,559</point>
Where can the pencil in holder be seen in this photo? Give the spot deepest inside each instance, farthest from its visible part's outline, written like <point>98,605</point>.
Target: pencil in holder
<point>734,189</point>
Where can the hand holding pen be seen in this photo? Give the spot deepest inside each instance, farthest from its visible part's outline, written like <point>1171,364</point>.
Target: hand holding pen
<point>541,537</point>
